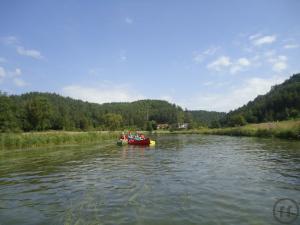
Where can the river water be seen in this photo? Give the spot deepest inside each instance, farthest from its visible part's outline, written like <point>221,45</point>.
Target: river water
<point>184,179</point>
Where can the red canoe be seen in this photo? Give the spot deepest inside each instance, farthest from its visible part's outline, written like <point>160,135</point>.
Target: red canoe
<point>139,142</point>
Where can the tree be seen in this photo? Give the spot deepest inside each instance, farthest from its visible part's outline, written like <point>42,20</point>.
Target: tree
<point>84,123</point>
<point>8,120</point>
<point>38,112</point>
<point>237,120</point>
<point>215,124</point>
<point>151,125</point>
<point>294,113</point>
<point>113,121</point>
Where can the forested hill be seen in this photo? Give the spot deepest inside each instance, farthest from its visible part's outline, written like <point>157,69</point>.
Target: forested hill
<point>46,111</point>
<point>282,102</point>
<point>206,118</point>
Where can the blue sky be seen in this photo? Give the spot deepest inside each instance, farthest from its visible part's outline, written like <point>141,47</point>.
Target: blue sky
<point>211,55</point>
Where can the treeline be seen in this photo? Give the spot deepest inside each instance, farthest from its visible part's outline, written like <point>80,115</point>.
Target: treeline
<point>37,111</point>
<point>205,118</point>
<point>45,111</point>
<point>282,102</point>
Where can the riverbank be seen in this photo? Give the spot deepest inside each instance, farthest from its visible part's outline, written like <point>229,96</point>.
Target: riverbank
<point>283,129</point>
<point>53,138</point>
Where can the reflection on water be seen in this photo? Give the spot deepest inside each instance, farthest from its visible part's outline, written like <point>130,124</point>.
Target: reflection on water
<point>184,179</point>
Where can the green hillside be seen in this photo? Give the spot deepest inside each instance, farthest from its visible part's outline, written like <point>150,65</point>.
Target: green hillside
<point>206,118</point>
<point>282,102</point>
<point>46,111</point>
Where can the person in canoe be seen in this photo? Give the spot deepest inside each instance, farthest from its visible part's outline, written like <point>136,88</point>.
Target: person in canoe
<point>137,137</point>
<point>130,136</point>
<point>123,139</point>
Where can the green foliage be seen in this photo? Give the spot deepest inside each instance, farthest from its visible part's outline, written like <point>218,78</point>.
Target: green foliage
<point>286,129</point>
<point>45,111</point>
<point>203,118</point>
<point>113,121</point>
<point>282,102</point>
<point>237,120</point>
<point>38,113</point>
<point>151,125</point>
<point>38,139</point>
<point>8,120</point>
<point>215,124</point>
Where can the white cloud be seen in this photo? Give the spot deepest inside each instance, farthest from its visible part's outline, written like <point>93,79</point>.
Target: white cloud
<point>264,40</point>
<point>254,36</point>
<point>291,46</point>
<point>12,76</point>
<point>102,93</point>
<point>9,40</point>
<point>15,73</point>
<point>128,20</point>
<point>12,40</point>
<point>239,65</point>
<point>235,97</point>
<point>199,57</point>
<point>29,52</point>
<point>243,62</point>
<point>279,63</point>
<point>225,62</point>
<point>19,82</point>
<point>220,63</point>
<point>18,71</point>
<point>279,66</point>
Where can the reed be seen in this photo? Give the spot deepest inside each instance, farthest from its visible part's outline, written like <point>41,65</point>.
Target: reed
<point>39,139</point>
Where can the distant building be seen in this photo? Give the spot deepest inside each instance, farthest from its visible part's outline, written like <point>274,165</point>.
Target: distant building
<point>183,125</point>
<point>162,126</point>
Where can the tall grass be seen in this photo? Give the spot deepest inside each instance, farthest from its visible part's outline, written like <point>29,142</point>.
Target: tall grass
<point>39,139</point>
<point>284,129</point>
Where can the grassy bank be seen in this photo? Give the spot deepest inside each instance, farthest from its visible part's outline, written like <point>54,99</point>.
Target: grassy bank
<point>39,139</point>
<point>284,129</point>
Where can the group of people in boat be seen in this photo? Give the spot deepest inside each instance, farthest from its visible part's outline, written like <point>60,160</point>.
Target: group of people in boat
<point>137,136</point>
<point>135,139</point>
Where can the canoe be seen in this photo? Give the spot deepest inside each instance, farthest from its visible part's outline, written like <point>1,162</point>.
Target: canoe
<point>139,142</point>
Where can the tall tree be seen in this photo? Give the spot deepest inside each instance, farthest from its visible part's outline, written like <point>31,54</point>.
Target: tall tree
<point>38,112</point>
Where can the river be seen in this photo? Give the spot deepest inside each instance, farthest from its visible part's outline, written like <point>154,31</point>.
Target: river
<point>184,179</point>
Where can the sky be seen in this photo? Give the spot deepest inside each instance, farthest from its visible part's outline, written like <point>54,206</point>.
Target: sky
<point>209,55</point>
